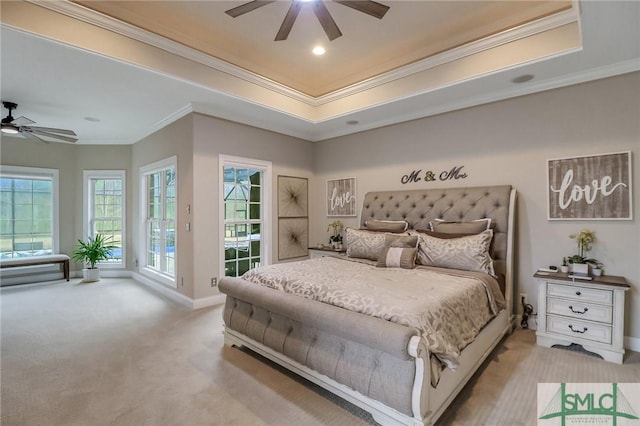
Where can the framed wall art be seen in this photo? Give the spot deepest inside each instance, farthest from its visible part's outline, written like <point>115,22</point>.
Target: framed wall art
<point>593,187</point>
<point>341,197</point>
<point>293,237</point>
<point>293,194</point>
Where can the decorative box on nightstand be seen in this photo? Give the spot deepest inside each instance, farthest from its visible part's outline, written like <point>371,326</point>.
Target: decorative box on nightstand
<point>586,312</point>
<point>315,252</point>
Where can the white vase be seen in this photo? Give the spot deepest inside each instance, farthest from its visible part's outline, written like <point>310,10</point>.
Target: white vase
<point>580,268</point>
<point>90,275</point>
<point>596,272</point>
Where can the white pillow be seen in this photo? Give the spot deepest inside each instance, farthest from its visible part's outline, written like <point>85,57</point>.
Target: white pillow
<point>470,253</point>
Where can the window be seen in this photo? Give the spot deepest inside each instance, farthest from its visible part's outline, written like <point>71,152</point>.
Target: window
<point>29,211</point>
<point>245,209</point>
<point>159,189</point>
<point>104,211</point>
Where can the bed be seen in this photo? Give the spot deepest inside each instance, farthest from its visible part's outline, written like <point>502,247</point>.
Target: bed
<point>382,366</point>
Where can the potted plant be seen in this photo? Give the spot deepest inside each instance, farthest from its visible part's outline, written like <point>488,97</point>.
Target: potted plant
<point>89,253</point>
<point>579,262</point>
<point>335,240</point>
<point>565,265</point>
<point>596,268</point>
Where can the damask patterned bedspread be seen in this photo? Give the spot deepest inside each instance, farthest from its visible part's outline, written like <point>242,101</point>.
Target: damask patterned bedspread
<point>449,307</point>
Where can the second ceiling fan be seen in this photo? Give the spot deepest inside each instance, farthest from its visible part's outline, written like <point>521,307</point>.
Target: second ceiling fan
<point>329,26</point>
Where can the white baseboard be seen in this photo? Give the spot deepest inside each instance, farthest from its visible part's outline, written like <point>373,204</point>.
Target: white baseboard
<point>177,297</point>
<point>161,288</point>
<point>632,343</point>
<point>203,302</point>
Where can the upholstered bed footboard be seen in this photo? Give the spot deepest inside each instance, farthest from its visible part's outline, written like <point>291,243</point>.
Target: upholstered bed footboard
<point>366,354</point>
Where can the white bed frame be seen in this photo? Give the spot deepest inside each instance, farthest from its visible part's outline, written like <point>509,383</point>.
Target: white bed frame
<point>428,403</point>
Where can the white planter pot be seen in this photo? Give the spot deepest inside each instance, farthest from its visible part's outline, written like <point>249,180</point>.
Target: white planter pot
<point>580,268</point>
<point>90,275</point>
<point>596,272</point>
<point>564,269</point>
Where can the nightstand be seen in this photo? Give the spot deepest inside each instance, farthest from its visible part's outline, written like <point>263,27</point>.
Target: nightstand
<point>324,251</point>
<point>586,312</point>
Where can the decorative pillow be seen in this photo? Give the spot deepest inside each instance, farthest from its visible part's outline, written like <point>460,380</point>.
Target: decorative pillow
<point>470,253</point>
<point>399,252</point>
<point>473,227</point>
<point>387,225</point>
<point>366,244</point>
<point>444,235</point>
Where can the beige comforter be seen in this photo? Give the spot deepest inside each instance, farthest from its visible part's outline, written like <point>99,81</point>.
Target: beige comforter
<point>449,307</point>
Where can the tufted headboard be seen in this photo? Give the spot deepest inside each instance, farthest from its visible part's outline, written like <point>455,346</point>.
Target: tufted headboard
<point>420,206</point>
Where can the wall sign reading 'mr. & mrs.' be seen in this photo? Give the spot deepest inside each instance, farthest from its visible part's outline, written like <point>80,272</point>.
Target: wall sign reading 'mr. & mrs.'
<point>429,176</point>
<point>590,187</point>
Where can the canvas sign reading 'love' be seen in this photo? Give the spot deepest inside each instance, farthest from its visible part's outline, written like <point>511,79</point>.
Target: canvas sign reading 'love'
<point>590,187</point>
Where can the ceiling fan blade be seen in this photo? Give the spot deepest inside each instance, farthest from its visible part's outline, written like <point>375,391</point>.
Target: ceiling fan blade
<point>28,134</point>
<point>50,135</point>
<point>247,7</point>
<point>288,21</point>
<point>22,121</point>
<point>369,7</point>
<point>327,22</point>
<point>54,130</point>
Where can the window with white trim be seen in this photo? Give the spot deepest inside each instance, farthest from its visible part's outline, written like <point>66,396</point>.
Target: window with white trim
<point>245,213</point>
<point>104,211</point>
<point>159,210</point>
<point>28,211</point>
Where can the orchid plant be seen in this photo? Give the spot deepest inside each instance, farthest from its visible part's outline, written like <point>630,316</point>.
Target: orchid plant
<point>584,239</point>
<point>336,227</point>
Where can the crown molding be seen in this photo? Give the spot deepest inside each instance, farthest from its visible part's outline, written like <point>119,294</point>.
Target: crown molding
<point>612,70</point>
<point>487,43</point>
<point>92,17</point>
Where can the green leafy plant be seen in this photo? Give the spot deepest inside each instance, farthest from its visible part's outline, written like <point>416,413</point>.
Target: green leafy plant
<point>584,239</point>
<point>93,250</point>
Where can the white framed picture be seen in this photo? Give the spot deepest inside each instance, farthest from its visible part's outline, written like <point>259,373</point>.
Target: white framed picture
<point>590,187</point>
<point>341,197</point>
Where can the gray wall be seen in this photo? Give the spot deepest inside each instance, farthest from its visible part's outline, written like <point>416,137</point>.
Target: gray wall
<point>509,142</point>
<point>70,160</point>
<point>213,137</point>
<point>175,139</point>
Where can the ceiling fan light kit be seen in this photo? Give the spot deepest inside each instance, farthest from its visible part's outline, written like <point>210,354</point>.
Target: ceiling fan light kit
<point>369,7</point>
<point>21,126</point>
<point>10,129</point>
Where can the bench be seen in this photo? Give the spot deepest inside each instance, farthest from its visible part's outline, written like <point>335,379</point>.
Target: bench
<point>50,259</point>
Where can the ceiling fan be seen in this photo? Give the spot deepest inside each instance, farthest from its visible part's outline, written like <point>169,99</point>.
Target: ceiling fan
<point>21,125</point>
<point>329,26</point>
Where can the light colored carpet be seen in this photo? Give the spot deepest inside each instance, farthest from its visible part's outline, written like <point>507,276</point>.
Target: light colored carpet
<point>117,353</point>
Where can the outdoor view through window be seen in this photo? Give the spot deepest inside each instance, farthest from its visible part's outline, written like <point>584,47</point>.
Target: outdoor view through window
<point>242,219</point>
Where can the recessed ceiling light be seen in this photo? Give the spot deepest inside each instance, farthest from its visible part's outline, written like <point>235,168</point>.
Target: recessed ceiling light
<point>352,122</point>
<point>522,78</point>
<point>318,50</point>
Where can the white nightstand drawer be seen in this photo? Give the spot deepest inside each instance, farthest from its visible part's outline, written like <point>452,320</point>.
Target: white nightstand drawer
<point>580,310</point>
<point>581,293</point>
<point>579,329</point>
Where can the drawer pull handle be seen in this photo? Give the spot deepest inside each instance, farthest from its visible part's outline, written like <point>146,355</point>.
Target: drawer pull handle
<point>578,293</point>
<point>577,331</point>
<point>578,312</point>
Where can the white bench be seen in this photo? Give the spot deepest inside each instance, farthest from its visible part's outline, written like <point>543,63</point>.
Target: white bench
<point>50,259</point>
